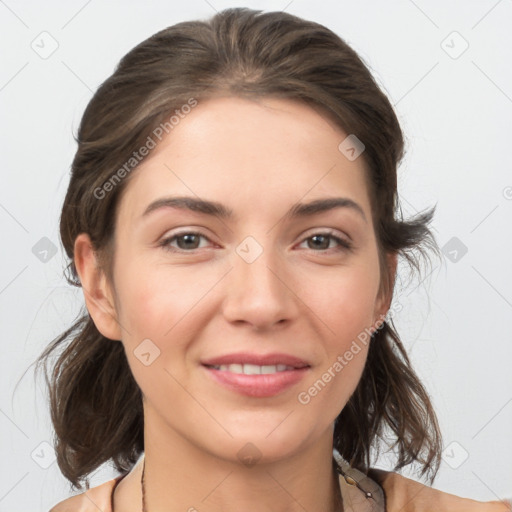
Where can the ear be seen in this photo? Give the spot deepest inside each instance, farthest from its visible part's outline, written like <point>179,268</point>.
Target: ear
<point>385,296</point>
<point>97,292</point>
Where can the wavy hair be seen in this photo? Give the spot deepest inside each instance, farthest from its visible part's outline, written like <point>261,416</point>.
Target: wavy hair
<point>95,403</point>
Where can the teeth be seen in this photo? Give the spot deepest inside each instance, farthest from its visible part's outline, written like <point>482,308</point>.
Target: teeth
<point>253,369</point>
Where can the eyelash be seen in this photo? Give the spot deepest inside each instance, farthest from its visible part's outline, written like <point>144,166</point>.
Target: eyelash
<point>343,245</point>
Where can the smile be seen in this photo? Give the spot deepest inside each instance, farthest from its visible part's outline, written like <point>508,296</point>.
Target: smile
<point>252,369</point>
<point>255,380</point>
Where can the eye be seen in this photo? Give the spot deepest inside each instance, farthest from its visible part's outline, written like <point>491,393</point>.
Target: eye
<point>189,240</point>
<point>186,241</point>
<point>322,241</point>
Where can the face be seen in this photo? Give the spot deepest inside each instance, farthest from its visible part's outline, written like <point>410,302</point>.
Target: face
<point>203,297</point>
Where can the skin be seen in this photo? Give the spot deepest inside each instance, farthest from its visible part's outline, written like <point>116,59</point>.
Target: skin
<point>258,158</point>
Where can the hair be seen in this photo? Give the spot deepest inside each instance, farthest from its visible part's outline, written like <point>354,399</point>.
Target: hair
<point>95,403</point>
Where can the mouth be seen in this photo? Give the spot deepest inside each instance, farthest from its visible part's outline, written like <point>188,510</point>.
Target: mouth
<point>257,381</point>
<point>252,369</point>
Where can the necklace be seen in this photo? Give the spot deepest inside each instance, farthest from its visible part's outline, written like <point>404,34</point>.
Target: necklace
<point>142,486</point>
<point>338,503</point>
<point>351,476</point>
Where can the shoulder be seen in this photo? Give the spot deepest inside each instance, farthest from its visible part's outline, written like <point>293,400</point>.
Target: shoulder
<point>406,495</point>
<point>92,500</point>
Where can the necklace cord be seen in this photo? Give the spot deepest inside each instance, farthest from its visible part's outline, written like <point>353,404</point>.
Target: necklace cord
<point>348,479</point>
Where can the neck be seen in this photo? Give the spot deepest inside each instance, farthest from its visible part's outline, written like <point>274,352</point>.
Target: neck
<point>181,476</point>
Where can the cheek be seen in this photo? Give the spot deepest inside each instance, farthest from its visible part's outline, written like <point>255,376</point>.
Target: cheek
<point>155,310</point>
<point>153,300</point>
<point>166,306</point>
<point>344,301</point>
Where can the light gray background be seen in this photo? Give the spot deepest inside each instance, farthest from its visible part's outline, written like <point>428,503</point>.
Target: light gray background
<point>456,112</point>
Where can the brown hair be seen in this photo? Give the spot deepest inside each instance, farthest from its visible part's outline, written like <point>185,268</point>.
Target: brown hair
<point>95,403</point>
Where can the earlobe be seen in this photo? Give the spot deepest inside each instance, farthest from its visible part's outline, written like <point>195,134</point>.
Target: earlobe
<point>97,293</point>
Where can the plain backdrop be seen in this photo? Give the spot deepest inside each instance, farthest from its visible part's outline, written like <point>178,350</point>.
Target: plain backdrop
<point>445,67</point>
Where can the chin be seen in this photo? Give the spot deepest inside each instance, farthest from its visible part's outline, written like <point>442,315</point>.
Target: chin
<point>258,445</point>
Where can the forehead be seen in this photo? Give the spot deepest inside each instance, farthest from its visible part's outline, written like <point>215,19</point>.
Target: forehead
<point>253,154</point>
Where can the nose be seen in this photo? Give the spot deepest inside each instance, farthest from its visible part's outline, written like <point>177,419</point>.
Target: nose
<point>259,293</point>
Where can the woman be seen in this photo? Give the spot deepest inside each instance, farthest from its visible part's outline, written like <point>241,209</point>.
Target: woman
<point>257,367</point>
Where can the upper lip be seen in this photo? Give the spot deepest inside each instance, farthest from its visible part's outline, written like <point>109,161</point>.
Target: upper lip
<point>257,359</point>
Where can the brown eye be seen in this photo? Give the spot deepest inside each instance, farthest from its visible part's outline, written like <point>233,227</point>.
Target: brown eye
<point>186,241</point>
<point>321,242</point>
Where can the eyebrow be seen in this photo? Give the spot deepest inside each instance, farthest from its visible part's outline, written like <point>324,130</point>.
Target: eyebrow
<point>219,210</point>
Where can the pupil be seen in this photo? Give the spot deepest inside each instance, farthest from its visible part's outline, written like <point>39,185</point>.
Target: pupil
<point>316,237</point>
<point>187,238</point>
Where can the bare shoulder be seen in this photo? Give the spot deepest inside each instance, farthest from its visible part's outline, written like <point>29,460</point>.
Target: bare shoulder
<point>94,499</point>
<point>406,495</point>
<point>73,504</point>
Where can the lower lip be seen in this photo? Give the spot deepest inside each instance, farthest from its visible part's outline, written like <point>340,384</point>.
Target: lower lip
<point>264,385</point>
